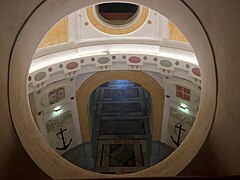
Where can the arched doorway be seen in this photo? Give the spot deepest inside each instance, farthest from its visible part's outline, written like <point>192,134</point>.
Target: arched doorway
<point>105,117</point>
<point>84,92</point>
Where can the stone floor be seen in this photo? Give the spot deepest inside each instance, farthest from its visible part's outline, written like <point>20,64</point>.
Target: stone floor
<point>120,114</point>
<point>81,155</point>
<point>121,156</point>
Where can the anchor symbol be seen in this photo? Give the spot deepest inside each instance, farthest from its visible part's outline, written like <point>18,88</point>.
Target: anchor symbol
<point>180,129</point>
<point>65,146</point>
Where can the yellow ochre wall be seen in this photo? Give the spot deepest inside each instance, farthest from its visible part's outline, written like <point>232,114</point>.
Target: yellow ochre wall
<point>175,34</point>
<point>57,35</point>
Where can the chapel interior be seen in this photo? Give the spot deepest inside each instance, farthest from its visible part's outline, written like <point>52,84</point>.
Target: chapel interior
<point>121,89</point>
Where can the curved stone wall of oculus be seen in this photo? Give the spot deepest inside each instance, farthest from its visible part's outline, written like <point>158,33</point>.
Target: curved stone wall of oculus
<point>50,72</point>
<point>36,147</point>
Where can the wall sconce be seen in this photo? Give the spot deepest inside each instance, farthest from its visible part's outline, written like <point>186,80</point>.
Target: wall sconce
<point>183,106</point>
<point>56,109</point>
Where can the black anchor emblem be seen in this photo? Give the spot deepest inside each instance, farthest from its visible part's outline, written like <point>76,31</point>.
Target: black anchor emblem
<point>180,129</point>
<point>65,146</point>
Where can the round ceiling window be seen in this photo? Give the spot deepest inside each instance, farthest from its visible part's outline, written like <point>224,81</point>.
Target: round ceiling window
<point>117,13</point>
<point>117,18</point>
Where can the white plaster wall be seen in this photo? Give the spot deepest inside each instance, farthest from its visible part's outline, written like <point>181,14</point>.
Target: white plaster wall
<point>47,113</point>
<point>81,35</point>
<point>167,84</point>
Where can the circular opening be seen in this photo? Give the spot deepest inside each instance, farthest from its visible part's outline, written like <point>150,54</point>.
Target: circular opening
<point>45,157</point>
<point>122,18</point>
<point>117,13</point>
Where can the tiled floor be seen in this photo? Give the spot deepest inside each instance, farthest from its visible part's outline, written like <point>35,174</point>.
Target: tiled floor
<point>121,156</point>
<point>121,134</point>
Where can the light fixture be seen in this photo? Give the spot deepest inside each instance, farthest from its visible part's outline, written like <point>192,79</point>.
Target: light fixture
<point>183,106</point>
<point>56,109</point>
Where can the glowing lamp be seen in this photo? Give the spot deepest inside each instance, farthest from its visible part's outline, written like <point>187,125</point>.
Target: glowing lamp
<point>183,106</point>
<point>56,109</point>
